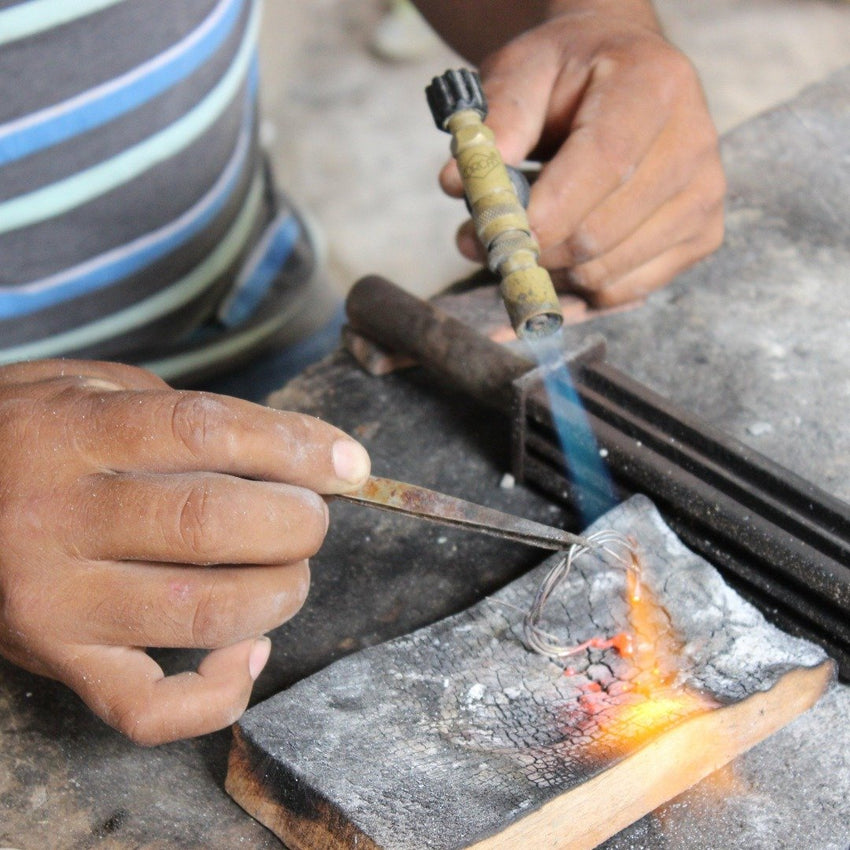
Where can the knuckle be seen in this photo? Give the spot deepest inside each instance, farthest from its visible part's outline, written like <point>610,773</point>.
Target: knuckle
<point>132,718</point>
<point>290,596</point>
<point>717,185</point>
<point>702,209</point>
<point>674,65</point>
<point>232,713</point>
<point>302,586</point>
<point>216,620</point>
<point>196,524</point>
<point>604,299</point>
<point>297,590</point>
<point>142,735</point>
<point>197,420</point>
<point>314,529</point>
<point>583,244</point>
<point>503,62</point>
<point>301,525</point>
<point>302,434</point>
<point>712,236</point>
<point>617,156</point>
<point>709,176</point>
<point>145,733</point>
<point>592,277</point>
<point>707,227</point>
<point>673,76</point>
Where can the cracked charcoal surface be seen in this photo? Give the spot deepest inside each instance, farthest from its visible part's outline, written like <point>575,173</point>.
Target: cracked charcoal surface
<point>452,733</point>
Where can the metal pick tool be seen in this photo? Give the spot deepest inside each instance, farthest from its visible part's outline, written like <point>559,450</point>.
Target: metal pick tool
<point>409,499</point>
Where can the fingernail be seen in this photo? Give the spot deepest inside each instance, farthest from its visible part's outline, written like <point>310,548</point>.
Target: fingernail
<point>259,657</point>
<point>351,462</point>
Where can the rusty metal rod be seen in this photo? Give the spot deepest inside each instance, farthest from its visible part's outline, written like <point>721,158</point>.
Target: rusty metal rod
<point>401,322</point>
<point>416,501</point>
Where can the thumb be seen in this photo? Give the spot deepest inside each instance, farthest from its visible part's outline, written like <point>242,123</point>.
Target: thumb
<point>518,105</point>
<point>125,687</point>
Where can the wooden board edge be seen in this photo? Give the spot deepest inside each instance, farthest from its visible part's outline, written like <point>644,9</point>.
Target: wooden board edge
<point>657,772</point>
<point>321,824</point>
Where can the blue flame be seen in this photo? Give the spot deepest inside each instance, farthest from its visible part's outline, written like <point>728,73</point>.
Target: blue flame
<point>592,490</point>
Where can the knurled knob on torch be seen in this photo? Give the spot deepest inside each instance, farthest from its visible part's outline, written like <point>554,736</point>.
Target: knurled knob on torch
<point>458,105</point>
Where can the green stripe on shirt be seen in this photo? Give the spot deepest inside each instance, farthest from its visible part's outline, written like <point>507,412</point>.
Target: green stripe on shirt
<point>35,16</point>
<point>84,186</point>
<point>179,293</point>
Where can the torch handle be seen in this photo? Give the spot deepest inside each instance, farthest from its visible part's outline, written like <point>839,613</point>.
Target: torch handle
<point>459,107</point>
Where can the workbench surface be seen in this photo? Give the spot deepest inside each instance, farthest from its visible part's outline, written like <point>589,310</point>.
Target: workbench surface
<point>755,341</point>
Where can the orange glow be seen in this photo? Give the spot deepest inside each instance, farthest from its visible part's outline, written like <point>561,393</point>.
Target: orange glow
<point>653,698</point>
<point>636,723</point>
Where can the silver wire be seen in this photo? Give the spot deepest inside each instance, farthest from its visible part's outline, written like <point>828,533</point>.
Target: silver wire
<point>615,545</point>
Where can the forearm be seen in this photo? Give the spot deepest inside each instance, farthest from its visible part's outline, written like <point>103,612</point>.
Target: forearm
<point>475,28</point>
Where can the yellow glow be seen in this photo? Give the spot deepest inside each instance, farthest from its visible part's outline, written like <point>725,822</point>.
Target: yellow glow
<point>635,723</point>
<point>654,702</point>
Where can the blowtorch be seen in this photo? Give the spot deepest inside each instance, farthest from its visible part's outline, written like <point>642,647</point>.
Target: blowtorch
<point>459,107</point>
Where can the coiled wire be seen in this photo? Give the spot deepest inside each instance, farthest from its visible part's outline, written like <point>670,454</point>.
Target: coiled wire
<point>613,544</point>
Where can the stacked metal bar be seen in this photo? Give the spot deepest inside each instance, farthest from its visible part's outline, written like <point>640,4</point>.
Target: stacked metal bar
<point>783,543</point>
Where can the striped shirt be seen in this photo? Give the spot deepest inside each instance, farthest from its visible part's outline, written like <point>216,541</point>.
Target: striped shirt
<point>133,192</point>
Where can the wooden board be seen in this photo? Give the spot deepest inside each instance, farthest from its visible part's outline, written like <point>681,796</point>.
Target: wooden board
<point>457,736</point>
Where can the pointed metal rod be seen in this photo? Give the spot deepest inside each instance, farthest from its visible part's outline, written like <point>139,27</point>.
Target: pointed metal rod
<point>415,501</point>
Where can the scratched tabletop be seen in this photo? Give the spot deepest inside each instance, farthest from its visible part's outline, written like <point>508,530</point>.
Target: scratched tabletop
<point>755,341</point>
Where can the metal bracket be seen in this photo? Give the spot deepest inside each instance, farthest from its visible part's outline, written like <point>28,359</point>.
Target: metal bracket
<point>531,384</point>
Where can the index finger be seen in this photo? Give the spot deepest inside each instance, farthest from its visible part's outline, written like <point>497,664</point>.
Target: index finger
<point>612,132</point>
<point>171,431</point>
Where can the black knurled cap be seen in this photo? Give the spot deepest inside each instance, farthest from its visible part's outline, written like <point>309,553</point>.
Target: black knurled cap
<point>454,91</point>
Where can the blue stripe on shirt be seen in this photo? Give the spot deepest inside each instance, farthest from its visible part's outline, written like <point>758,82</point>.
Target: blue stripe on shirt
<point>261,270</point>
<point>104,103</point>
<point>68,193</point>
<point>115,265</point>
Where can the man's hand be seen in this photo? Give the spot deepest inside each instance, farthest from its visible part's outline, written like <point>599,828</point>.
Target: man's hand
<point>632,188</point>
<point>136,516</point>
